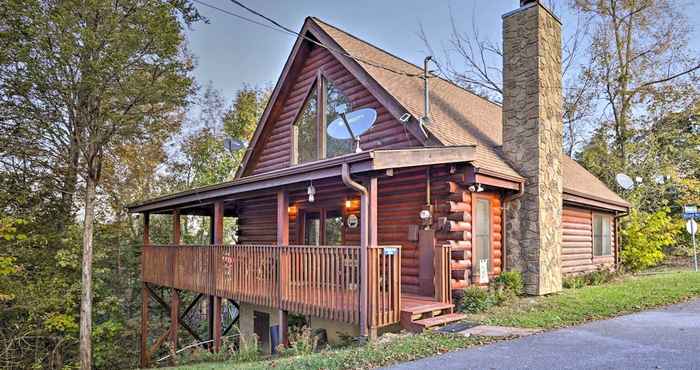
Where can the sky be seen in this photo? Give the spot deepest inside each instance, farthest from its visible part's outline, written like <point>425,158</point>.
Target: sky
<point>230,52</point>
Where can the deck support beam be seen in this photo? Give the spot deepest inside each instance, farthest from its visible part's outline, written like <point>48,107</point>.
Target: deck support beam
<point>144,358</point>
<point>282,239</point>
<point>174,318</point>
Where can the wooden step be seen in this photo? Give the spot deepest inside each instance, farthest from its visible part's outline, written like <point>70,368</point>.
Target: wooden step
<point>418,326</point>
<point>432,307</point>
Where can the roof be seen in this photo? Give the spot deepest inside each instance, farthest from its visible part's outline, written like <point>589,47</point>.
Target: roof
<point>459,117</point>
<point>371,160</point>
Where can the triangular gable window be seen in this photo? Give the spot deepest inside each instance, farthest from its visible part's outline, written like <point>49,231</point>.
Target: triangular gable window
<point>306,132</point>
<point>310,139</point>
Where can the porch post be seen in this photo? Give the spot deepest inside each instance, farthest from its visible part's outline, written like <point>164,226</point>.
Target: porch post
<point>372,241</point>
<point>218,240</point>
<point>145,296</point>
<point>210,299</point>
<point>174,296</point>
<point>282,239</point>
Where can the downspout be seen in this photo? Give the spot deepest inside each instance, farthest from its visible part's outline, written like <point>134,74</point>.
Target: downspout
<point>364,243</point>
<point>506,200</point>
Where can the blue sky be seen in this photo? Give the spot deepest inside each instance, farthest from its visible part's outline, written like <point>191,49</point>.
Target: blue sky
<point>231,52</point>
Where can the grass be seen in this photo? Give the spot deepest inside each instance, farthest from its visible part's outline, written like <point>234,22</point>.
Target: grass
<point>382,353</point>
<point>575,306</point>
<point>570,307</point>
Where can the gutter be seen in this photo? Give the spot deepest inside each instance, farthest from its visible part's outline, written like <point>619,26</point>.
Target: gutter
<point>364,243</point>
<point>506,200</point>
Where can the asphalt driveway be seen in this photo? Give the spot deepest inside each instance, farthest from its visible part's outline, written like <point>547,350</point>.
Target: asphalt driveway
<point>667,338</point>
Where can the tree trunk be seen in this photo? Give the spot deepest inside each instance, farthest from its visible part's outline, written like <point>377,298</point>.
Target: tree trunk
<point>86,298</point>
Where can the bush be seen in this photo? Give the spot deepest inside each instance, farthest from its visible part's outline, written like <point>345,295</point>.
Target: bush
<point>645,235</point>
<point>574,282</point>
<point>476,300</point>
<point>511,280</point>
<point>301,342</point>
<point>597,277</point>
<point>248,349</point>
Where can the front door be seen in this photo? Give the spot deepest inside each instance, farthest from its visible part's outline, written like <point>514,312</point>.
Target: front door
<point>482,240</point>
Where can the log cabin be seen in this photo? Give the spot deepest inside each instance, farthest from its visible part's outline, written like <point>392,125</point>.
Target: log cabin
<point>446,191</point>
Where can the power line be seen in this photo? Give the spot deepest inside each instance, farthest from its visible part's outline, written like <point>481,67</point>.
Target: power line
<point>281,28</point>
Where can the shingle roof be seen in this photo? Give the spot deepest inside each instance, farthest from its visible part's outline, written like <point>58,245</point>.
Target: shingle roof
<point>459,117</point>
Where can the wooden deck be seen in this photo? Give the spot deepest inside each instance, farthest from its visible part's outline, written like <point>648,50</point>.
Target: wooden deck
<point>321,281</point>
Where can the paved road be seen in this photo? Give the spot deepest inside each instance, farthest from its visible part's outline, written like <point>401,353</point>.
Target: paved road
<point>667,338</point>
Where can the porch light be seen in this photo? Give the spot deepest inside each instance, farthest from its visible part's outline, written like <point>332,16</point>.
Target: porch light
<point>312,193</point>
<point>347,203</point>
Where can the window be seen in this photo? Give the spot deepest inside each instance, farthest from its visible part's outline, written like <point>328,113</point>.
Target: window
<point>602,240</point>
<point>310,138</point>
<point>305,131</point>
<point>334,99</point>
<point>482,234</point>
<point>323,227</point>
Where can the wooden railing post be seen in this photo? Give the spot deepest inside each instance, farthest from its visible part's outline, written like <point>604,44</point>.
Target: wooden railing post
<point>442,268</point>
<point>282,262</point>
<point>174,318</point>
<point>218,238</point>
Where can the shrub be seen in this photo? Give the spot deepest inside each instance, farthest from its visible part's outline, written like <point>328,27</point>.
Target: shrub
<point>574,282</point>
<point>476,300</point>
<point>511,280</point>
<point>645,235</point>
<point>301,342</point>
<point>248,349</point>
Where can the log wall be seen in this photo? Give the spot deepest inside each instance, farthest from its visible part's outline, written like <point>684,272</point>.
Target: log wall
<point>273,150</point>
<point>577,242</point>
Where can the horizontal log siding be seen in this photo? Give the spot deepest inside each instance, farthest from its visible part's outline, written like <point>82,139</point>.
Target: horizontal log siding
<point>273,150</point>
<point>577,242</point>
<point>257,220</point>
<point>401,198</point>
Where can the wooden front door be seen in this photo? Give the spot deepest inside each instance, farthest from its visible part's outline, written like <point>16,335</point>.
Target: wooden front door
<point>482,236</point>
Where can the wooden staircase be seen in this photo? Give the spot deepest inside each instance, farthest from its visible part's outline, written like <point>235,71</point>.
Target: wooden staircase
<point>419,313</point>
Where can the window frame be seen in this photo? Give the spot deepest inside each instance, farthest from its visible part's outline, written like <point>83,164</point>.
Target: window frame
<point>323,210</point>
<point>605,219</point>
<point>319,86</point>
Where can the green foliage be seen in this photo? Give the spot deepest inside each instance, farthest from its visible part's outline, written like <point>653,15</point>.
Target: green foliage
<point>373,355</point>
<point>575,306</point>
<point>248,349</point>
<point>593,278</point>
<point>301,342</point>
<point>645,235</point>
<point>476,299</point>
<point>511,281</point>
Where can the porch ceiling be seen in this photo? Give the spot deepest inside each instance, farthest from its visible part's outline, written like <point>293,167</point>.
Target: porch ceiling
<point>198,201</point>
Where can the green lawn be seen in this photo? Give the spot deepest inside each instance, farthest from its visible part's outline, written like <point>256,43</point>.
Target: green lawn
<point>574,306</point>
<point>570,307</point>
<point>401,349</point>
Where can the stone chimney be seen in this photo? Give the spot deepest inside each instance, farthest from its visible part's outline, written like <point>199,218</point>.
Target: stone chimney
<point>532,143</point>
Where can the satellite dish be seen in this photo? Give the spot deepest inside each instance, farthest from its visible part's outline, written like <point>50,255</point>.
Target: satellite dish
<point>359,121</point>
<point>232,144</point>
<point>624,181</point>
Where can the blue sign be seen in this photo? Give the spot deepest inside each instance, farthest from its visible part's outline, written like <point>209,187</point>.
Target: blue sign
<point>690,212</point>
<point>390,251</point>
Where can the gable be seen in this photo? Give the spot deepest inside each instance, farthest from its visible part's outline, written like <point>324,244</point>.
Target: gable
<point>273,150</point>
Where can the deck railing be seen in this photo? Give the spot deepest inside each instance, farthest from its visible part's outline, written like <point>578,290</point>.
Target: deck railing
<point>322,281</point>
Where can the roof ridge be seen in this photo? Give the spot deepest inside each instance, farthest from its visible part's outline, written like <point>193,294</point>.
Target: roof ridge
<point>316,19</point>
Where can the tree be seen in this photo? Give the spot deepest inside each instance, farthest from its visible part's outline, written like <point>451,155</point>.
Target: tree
<point>86,77</point>
<point>473,61</point>
<point>639,57</point>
